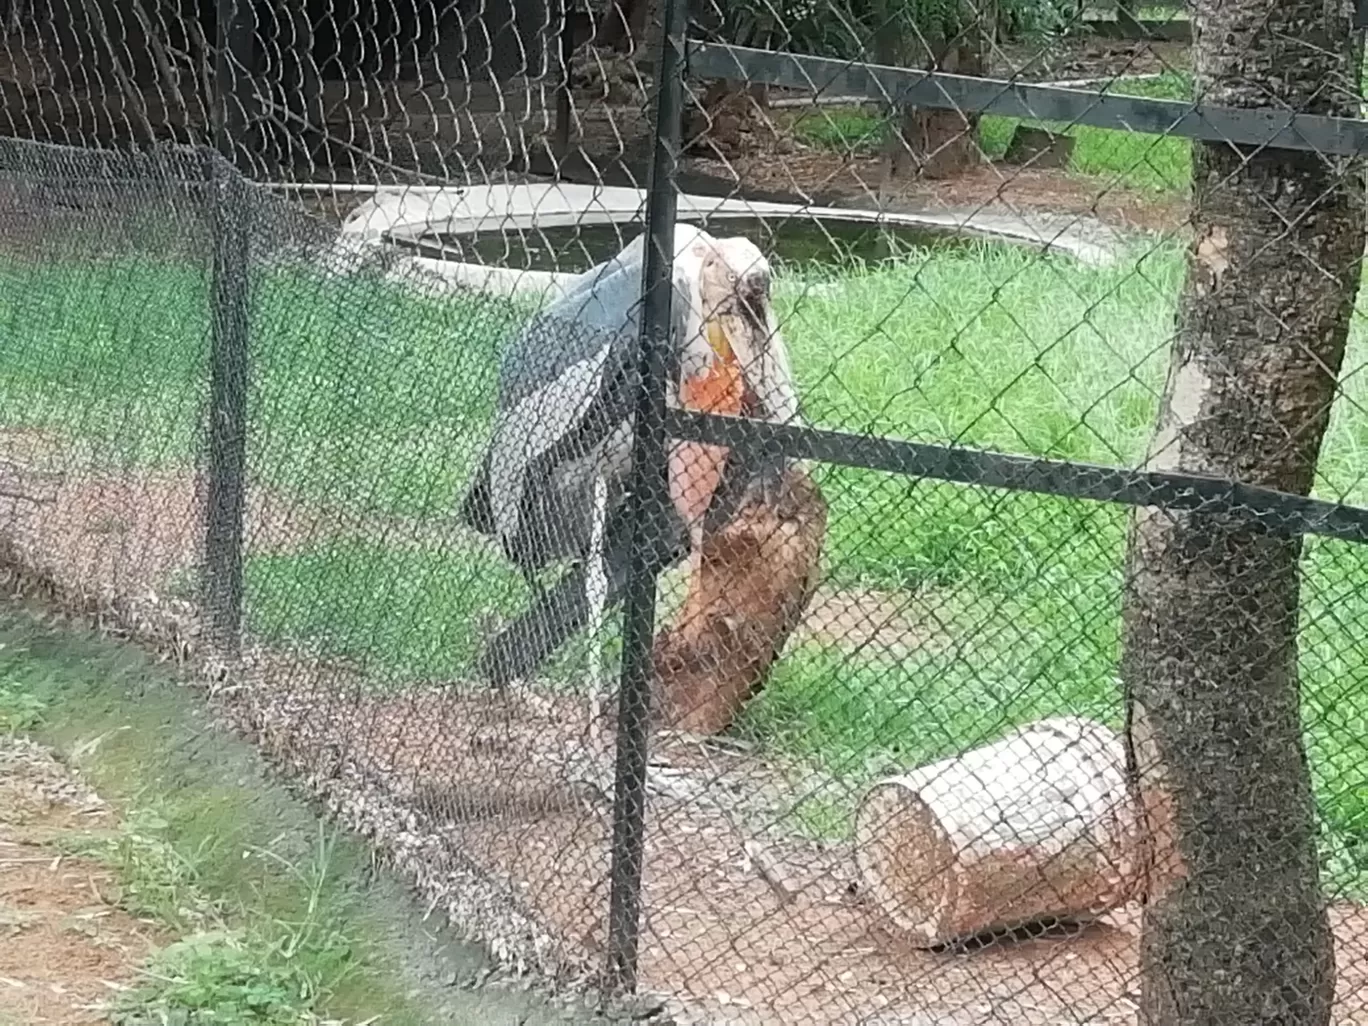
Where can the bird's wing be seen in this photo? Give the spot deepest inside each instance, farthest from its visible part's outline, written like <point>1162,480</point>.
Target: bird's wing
<point>566,383</point>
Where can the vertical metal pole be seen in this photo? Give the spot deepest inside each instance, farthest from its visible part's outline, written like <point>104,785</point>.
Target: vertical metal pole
<point>567,55</point>
<point>228,351</point>
<point>649,496</point>
<point>233,61</point>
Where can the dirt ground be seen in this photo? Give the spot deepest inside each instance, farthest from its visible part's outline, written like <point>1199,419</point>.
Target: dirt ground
<point>837,180</point>
<point>66,948</point>
<point>771,162</point>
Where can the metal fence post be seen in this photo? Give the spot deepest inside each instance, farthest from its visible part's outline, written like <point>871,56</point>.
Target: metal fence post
<point>565,83</point>
<point>228,353</point>
<point>649,489</point>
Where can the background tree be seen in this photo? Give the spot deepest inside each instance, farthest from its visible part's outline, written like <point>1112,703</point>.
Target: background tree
<point>956,36</point>
<point>1235,932</point>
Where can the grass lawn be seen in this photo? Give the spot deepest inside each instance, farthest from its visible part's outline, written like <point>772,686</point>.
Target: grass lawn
<point>1145,162</point>
<point>259,913</point>
<point>378,400</point>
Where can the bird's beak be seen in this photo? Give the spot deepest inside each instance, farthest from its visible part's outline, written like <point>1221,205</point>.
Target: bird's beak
<point>717,338</point>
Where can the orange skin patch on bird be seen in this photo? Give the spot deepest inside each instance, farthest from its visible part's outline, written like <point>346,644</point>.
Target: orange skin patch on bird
<point>695,468</point>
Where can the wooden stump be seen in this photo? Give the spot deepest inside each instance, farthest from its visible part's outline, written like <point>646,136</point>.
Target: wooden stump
<point>1038,148</point>
<point>728,121</point>
<point>751,584</point>
<point>935,144</point>
<point>1037,827</point>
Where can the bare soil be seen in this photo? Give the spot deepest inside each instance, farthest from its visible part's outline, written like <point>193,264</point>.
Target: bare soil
<point>772,164</point>
<point>745,920</point>
<point>766,158</point>
<point>1086,57</point>
<point>66,948</point>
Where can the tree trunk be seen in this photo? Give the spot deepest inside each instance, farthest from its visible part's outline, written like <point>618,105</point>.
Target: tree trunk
<point>628,25</point>
<point>1235,933</point>
<point>936,143</point>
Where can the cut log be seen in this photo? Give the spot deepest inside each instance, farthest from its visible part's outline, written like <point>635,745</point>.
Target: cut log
<point>1038,148</point>
<point>1038,827</point>
<point>727,121</point>
<point>751,583</point>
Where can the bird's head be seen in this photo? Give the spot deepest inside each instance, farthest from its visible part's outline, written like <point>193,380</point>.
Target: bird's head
<point>735,282</point>
<point>735,317</point>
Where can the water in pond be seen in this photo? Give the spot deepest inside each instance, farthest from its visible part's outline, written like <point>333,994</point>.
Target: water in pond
<point>788,239</point>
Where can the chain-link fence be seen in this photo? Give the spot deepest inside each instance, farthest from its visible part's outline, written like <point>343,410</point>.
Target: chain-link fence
<point>807,513</point>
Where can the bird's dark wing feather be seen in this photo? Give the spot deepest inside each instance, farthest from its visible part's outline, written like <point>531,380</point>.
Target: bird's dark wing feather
<point>575,365</point>
<point>525,644</point>
<point>566,388</point>
<point>475,511</point>
<point>538,359</point>
<point>602,309</point>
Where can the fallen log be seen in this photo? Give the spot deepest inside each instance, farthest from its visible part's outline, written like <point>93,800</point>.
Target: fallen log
<point>751,584</point>
<point>1038,827</point>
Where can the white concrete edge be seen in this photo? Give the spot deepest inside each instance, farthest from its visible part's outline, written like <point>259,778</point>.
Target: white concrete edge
<point>500,281</point>
<point>603,213</point>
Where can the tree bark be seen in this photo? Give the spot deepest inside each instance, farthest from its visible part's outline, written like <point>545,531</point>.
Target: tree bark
<point>629,25</point>
<point>935,143</point>
<point>1235,932</point>
<point>751,585</point>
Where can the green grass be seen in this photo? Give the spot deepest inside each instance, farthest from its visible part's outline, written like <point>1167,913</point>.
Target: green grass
<point>1135,160</point>
<point>1002,350</point>
<point>238,963</point>
<point>360,383</point>
<point>274,918</point>
<point>20,710</point>
<point>343,377</point>
<point>441,593</point>
<point>377,401</point>
<point>263,931</point>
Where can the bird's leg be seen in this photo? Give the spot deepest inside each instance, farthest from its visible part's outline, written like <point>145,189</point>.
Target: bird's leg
<point>524,644</point>
<point>596,595</point>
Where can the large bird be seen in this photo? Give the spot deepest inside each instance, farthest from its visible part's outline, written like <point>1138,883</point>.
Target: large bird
<point>552,481</point>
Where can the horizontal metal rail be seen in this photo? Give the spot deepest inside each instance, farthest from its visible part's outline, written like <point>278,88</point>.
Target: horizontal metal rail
<point>968,94</point>
<point>1277,511</point>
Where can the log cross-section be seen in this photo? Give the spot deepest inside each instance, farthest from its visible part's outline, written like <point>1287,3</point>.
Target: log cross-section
<point>1036,827</point>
